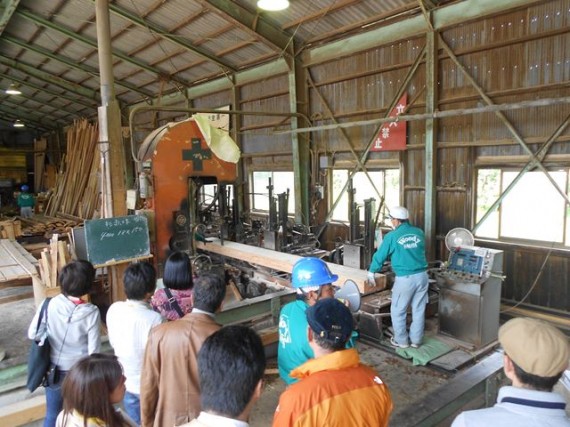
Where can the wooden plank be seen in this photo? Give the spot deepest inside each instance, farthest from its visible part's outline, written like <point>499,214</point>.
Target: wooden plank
<point>62,255</point>
<point>45,268</point>
<point>23,412</point>
<point>235,290</point>
<point>269,335</point>
<point>16,265</point>
<point>284,262</point>
<point>123,261</point>
<point>7,228</point>
<point>16,294</point>
<point>53,260</point>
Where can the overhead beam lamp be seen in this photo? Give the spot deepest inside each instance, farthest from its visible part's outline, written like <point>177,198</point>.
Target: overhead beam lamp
<point>273,5</point>
<point>13,90</point>
<point>19,124</point>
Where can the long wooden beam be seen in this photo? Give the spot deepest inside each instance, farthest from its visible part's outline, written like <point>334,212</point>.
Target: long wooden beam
<point>284,262</point>
<point>23,412</point>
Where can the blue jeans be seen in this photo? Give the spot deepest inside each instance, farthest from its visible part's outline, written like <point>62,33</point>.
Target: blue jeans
<point>132,404</point>
<point>54,401</point>
<point>409,291</point>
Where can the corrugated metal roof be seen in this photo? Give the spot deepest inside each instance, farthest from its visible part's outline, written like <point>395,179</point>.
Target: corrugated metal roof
<point>162,46</point>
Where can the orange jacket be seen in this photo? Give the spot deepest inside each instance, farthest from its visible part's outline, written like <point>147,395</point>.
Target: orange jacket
<point>335,390</point>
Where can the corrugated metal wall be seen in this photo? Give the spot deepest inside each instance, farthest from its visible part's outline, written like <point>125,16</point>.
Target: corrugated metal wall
<point>520,56</point>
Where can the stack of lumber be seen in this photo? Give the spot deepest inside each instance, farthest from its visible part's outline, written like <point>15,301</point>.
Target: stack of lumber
<point>53,259</point>
<point>76,185</point>
<point>10,229</point>
<point>47,225</point>
<point>17,267</point>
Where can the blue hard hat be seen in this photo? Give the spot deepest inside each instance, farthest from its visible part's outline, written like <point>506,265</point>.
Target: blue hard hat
<point>311,272</point>
<point>25,187</point>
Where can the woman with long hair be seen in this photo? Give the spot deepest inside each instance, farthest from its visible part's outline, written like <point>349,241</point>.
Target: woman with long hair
<point>90,390</point>
<point>175,299</point>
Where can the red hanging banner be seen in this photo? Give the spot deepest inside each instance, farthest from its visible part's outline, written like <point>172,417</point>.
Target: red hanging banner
<point>392,135</point>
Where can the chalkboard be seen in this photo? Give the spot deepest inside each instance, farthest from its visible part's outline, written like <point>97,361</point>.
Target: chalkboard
<point>115,239</point>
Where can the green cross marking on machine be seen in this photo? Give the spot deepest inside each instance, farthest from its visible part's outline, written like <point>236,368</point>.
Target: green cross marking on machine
<point>196,154</point>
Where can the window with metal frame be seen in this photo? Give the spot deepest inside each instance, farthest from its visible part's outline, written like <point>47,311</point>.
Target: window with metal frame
<point>387,181</point>
<point>532,210</point>
<point>281,181</point>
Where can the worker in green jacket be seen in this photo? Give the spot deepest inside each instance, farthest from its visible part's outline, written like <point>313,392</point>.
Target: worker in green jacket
<point>26,202</point>
<point>405,246</point>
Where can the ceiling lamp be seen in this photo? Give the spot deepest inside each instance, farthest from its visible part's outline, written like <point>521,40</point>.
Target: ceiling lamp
<point>273,5</point>
<point>13,90</point>
<point>19,124</point>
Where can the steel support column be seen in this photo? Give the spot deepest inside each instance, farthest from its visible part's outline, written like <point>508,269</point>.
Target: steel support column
<point>298,102</point>
<point>430,194</point>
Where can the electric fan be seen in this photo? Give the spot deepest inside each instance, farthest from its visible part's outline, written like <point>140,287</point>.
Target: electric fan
<point>459,237</point>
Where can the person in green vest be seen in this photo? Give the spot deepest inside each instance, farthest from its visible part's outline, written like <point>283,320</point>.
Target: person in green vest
<point>313,281</point>
<point>26,202</point>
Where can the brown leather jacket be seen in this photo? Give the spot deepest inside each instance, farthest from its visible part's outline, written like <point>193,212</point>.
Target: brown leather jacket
<point>170,393</point>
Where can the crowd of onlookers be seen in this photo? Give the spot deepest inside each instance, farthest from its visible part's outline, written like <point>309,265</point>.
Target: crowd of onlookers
<point>174,364</point>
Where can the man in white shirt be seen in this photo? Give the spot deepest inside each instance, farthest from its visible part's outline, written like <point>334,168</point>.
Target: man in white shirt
<point>231,364</point>
<point>129,323</point>
<point>536,355</point>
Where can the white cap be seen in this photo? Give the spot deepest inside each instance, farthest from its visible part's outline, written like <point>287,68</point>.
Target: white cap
<point>399,212</point>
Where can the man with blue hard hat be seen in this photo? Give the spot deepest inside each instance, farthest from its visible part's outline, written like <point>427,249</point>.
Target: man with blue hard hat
<point>26,202</point>
<point>405,246</point>
<point>312,280</point>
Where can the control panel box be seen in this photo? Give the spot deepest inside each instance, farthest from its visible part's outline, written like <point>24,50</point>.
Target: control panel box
<point>474,263</point>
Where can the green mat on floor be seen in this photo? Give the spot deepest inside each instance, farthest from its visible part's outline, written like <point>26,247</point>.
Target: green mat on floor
<point>431,349</point>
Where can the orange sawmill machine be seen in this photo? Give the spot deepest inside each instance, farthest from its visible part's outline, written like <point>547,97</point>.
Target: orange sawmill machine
<point>187,186</point>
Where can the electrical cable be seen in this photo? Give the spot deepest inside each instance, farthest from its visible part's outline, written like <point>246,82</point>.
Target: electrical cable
<point>534,284</point>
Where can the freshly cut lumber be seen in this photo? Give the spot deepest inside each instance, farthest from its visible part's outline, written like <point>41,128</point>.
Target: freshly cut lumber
<point>23,412</point>
<point>16,264</point>
<point>47,225</point>
<point>281,261</point>
<point>75,191</point>
<point>10,229</point>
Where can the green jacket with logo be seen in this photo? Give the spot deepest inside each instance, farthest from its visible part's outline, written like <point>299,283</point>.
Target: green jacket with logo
<point>405,246</point>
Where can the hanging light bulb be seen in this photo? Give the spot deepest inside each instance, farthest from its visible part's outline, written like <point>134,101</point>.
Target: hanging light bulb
<point>19,124</point>
<point>13,89</point>
<point>273,5</point>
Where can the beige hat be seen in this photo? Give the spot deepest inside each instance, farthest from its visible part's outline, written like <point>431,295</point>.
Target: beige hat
<point>535,346</point>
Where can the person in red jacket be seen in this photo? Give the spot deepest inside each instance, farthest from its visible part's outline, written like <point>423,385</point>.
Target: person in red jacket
<point>334,387</point>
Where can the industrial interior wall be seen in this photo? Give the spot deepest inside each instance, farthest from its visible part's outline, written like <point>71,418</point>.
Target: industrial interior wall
<point>514,57</point>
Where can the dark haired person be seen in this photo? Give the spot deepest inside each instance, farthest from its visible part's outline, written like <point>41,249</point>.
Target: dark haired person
<point>335,389</point>
<point>405,246</point>
<point>129,323</point>
<point>175,299</point>
<point>231,364</point>
<point>170,391</point>
<point>73,327</point>
<point>90,390</point>
<point>536,356</point>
